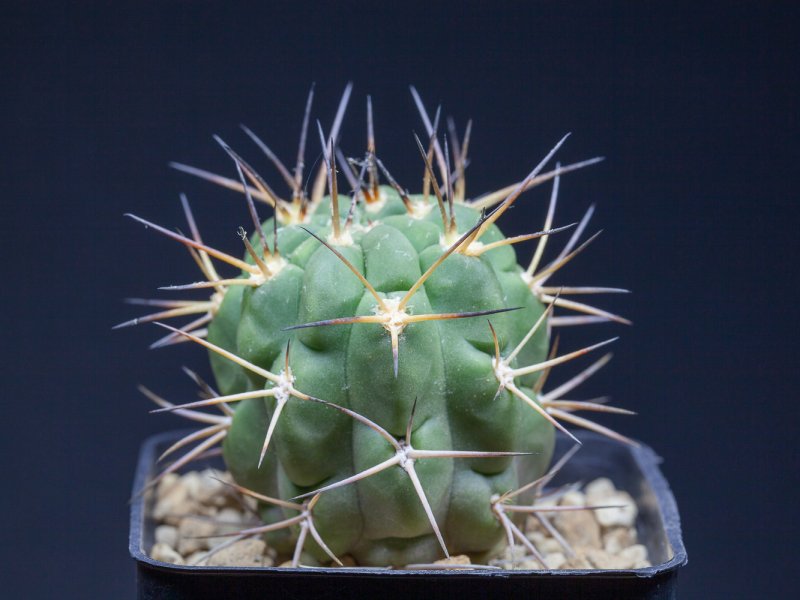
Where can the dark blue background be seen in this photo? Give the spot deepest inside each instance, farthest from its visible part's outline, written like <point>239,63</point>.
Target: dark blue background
<point>693,104</point>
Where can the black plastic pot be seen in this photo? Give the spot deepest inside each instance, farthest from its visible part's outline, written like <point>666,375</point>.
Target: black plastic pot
<point>632,469</point>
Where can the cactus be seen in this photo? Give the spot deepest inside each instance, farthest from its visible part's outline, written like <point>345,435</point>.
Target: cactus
<point>381,356</point>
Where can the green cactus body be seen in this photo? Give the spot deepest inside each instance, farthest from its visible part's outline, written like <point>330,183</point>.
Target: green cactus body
<point>381,358</point>
<point>446,366</point>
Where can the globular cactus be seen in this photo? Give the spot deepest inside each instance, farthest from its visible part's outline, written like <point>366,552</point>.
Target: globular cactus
<point>381,356</point>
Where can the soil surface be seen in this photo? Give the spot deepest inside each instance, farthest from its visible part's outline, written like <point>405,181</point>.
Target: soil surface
<point>199,517</point>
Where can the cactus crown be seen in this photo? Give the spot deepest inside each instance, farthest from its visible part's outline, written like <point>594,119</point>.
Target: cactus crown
<point>381,356</point>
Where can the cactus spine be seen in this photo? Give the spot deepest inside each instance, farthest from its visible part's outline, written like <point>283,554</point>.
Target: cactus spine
<point>381,356</point>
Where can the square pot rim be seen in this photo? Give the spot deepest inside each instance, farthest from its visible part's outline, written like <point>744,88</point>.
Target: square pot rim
<point>644,457</point>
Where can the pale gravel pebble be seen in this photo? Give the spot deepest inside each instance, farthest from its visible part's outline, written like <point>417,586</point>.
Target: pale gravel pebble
<point>166,484</point>
<point>193,532</point>
<point>172,501</point>
<point>618,538</point>
<point>208,489</point>
<point>226,521</point>
<point>579,528</point>
<point>573,498</point>
<point>249,503</point>
<point>537,537</point>
<point>601,559</point>
<point>544,543</point>
<point>192,482</point>
<point>579,561</point>
<point>599,490</point>
<point>532,524</point>
<point>461,559</point>
<point>528,565</point>
<point>244,553</point>
<point>611,517</point>
<point>551,546</point>
<point>555,560</point>
<point>230,517</point>
<point>213,542</point>
<point>636,553</point>
<point>167,534</point>
<point>194,557</point>
<point>516,558</point>
<point>510,554</point>
<point>166,554</point>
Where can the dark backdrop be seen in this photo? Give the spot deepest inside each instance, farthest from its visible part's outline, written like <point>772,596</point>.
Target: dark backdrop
<point>692,104</point>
